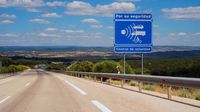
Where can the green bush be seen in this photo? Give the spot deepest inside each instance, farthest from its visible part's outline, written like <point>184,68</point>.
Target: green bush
<point>13,68</point>
<point>107,67</point>
<point>128,68</point>
<point>197,95</point>
<point>55,67</point>
<point>148,87</point>
<point>5,61</point>
<point>84,66</point>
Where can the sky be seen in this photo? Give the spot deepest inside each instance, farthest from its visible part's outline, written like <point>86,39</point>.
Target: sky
<point>90,22</point>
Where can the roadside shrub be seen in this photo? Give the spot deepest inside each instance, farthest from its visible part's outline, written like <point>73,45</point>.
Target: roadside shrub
<point>128,68</point>
<point>148,87</point>
<point>13,68</point>
<point>107,67</point>
<point>84,66</point>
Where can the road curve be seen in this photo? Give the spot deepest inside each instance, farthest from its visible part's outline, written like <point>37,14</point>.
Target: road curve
<point>40,91</point>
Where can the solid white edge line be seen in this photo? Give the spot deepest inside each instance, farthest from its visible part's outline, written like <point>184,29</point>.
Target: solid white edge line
<point>27,84</point>
<point>75,87</point>
<point>4,99</point>
<point>100,106</point>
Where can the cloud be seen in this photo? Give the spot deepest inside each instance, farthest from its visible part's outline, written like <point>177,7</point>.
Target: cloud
<point>8,35</point>
<point>96,26</point>
<point>196,34</point>
<point>51,29</point>
<point>84,8</point>
<point>10,16</point>
<point>182,13</point>
<point>40,21</point>
<point>89,20</point>
<point>56,4</point>
<point>21,3</point>
<point>74,31</point>
<point>33,10</point>
<point>6,22</point>
<point>48,35</point>
<point>178,34</point>
<point>51,15</point>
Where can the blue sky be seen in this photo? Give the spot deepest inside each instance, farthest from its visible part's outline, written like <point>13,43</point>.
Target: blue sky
<point>90,22</point>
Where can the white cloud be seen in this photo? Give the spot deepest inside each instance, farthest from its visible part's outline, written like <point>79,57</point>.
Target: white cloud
<point>178,34</point>
<point>6,22</point>
<point>21,3</point>
<point>56,4</point>
<point>74,31</point>
<point>84,8</point>
<point>182,13</point>
<point>10,16</point>
<point>51,15</point>
<point>8,35</point>
<point>96,26</point>
<point>51,29</point>
<point>40,21</point>
<point>89,20</point>
<point>79,8</point>
<point>48,35</point>
<point>33,10</point>
<point>196,34</point>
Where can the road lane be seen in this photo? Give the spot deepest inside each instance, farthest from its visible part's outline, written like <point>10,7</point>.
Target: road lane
<point>121,100</point>
<point>15,84</point>
<point>48,94</point>
<point>40,91</point>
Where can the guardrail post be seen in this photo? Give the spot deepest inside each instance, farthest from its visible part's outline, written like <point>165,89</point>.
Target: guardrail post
<point>95,78</point>
<point>169,96</point>
<point>101,79</point>
<point>140,86</point>
<point>122,83</point>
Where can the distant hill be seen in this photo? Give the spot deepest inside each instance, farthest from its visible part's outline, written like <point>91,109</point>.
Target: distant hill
<point>87,49</point>
<point>95,52</point>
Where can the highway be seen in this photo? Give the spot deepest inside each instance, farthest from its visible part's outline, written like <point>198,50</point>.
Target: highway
<point>41,91</point>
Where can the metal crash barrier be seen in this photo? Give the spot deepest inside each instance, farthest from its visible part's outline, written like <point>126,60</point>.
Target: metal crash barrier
<point>163,80</point>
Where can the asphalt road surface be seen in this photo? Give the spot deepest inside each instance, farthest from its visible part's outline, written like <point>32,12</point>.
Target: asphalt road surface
<point>40,91</point>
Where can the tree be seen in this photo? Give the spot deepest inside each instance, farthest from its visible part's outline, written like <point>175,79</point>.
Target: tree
<point>128,68</point>
<point>84,66</point>
<point>107,67</point>
<point>5,61</point>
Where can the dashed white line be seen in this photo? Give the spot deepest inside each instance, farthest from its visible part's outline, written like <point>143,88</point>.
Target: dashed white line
<point>27,84</point>
<point>4,99</point>
<point>100,106</point>
<point>75,87</point>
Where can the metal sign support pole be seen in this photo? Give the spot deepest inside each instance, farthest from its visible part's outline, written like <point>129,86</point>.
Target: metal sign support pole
<point>142,63</point>
<point>124,63</point>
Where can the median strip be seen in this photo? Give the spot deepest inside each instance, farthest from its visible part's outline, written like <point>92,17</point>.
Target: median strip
<point>100,106</point>
<point>76,88</point>
<point>4,99</point>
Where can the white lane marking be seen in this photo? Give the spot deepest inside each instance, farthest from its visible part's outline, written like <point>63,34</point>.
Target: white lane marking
<point>100,106</point>
<point>4,99</point>
<point>75,87</point>
<point>27,84</point>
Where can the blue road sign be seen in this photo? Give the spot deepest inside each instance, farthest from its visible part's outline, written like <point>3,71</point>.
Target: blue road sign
<point>133,33</point>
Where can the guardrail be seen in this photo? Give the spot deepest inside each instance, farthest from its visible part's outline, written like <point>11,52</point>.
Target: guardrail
<point>167,81</point>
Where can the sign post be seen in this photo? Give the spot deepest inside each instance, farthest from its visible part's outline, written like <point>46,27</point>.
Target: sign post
<point>133,34</point>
